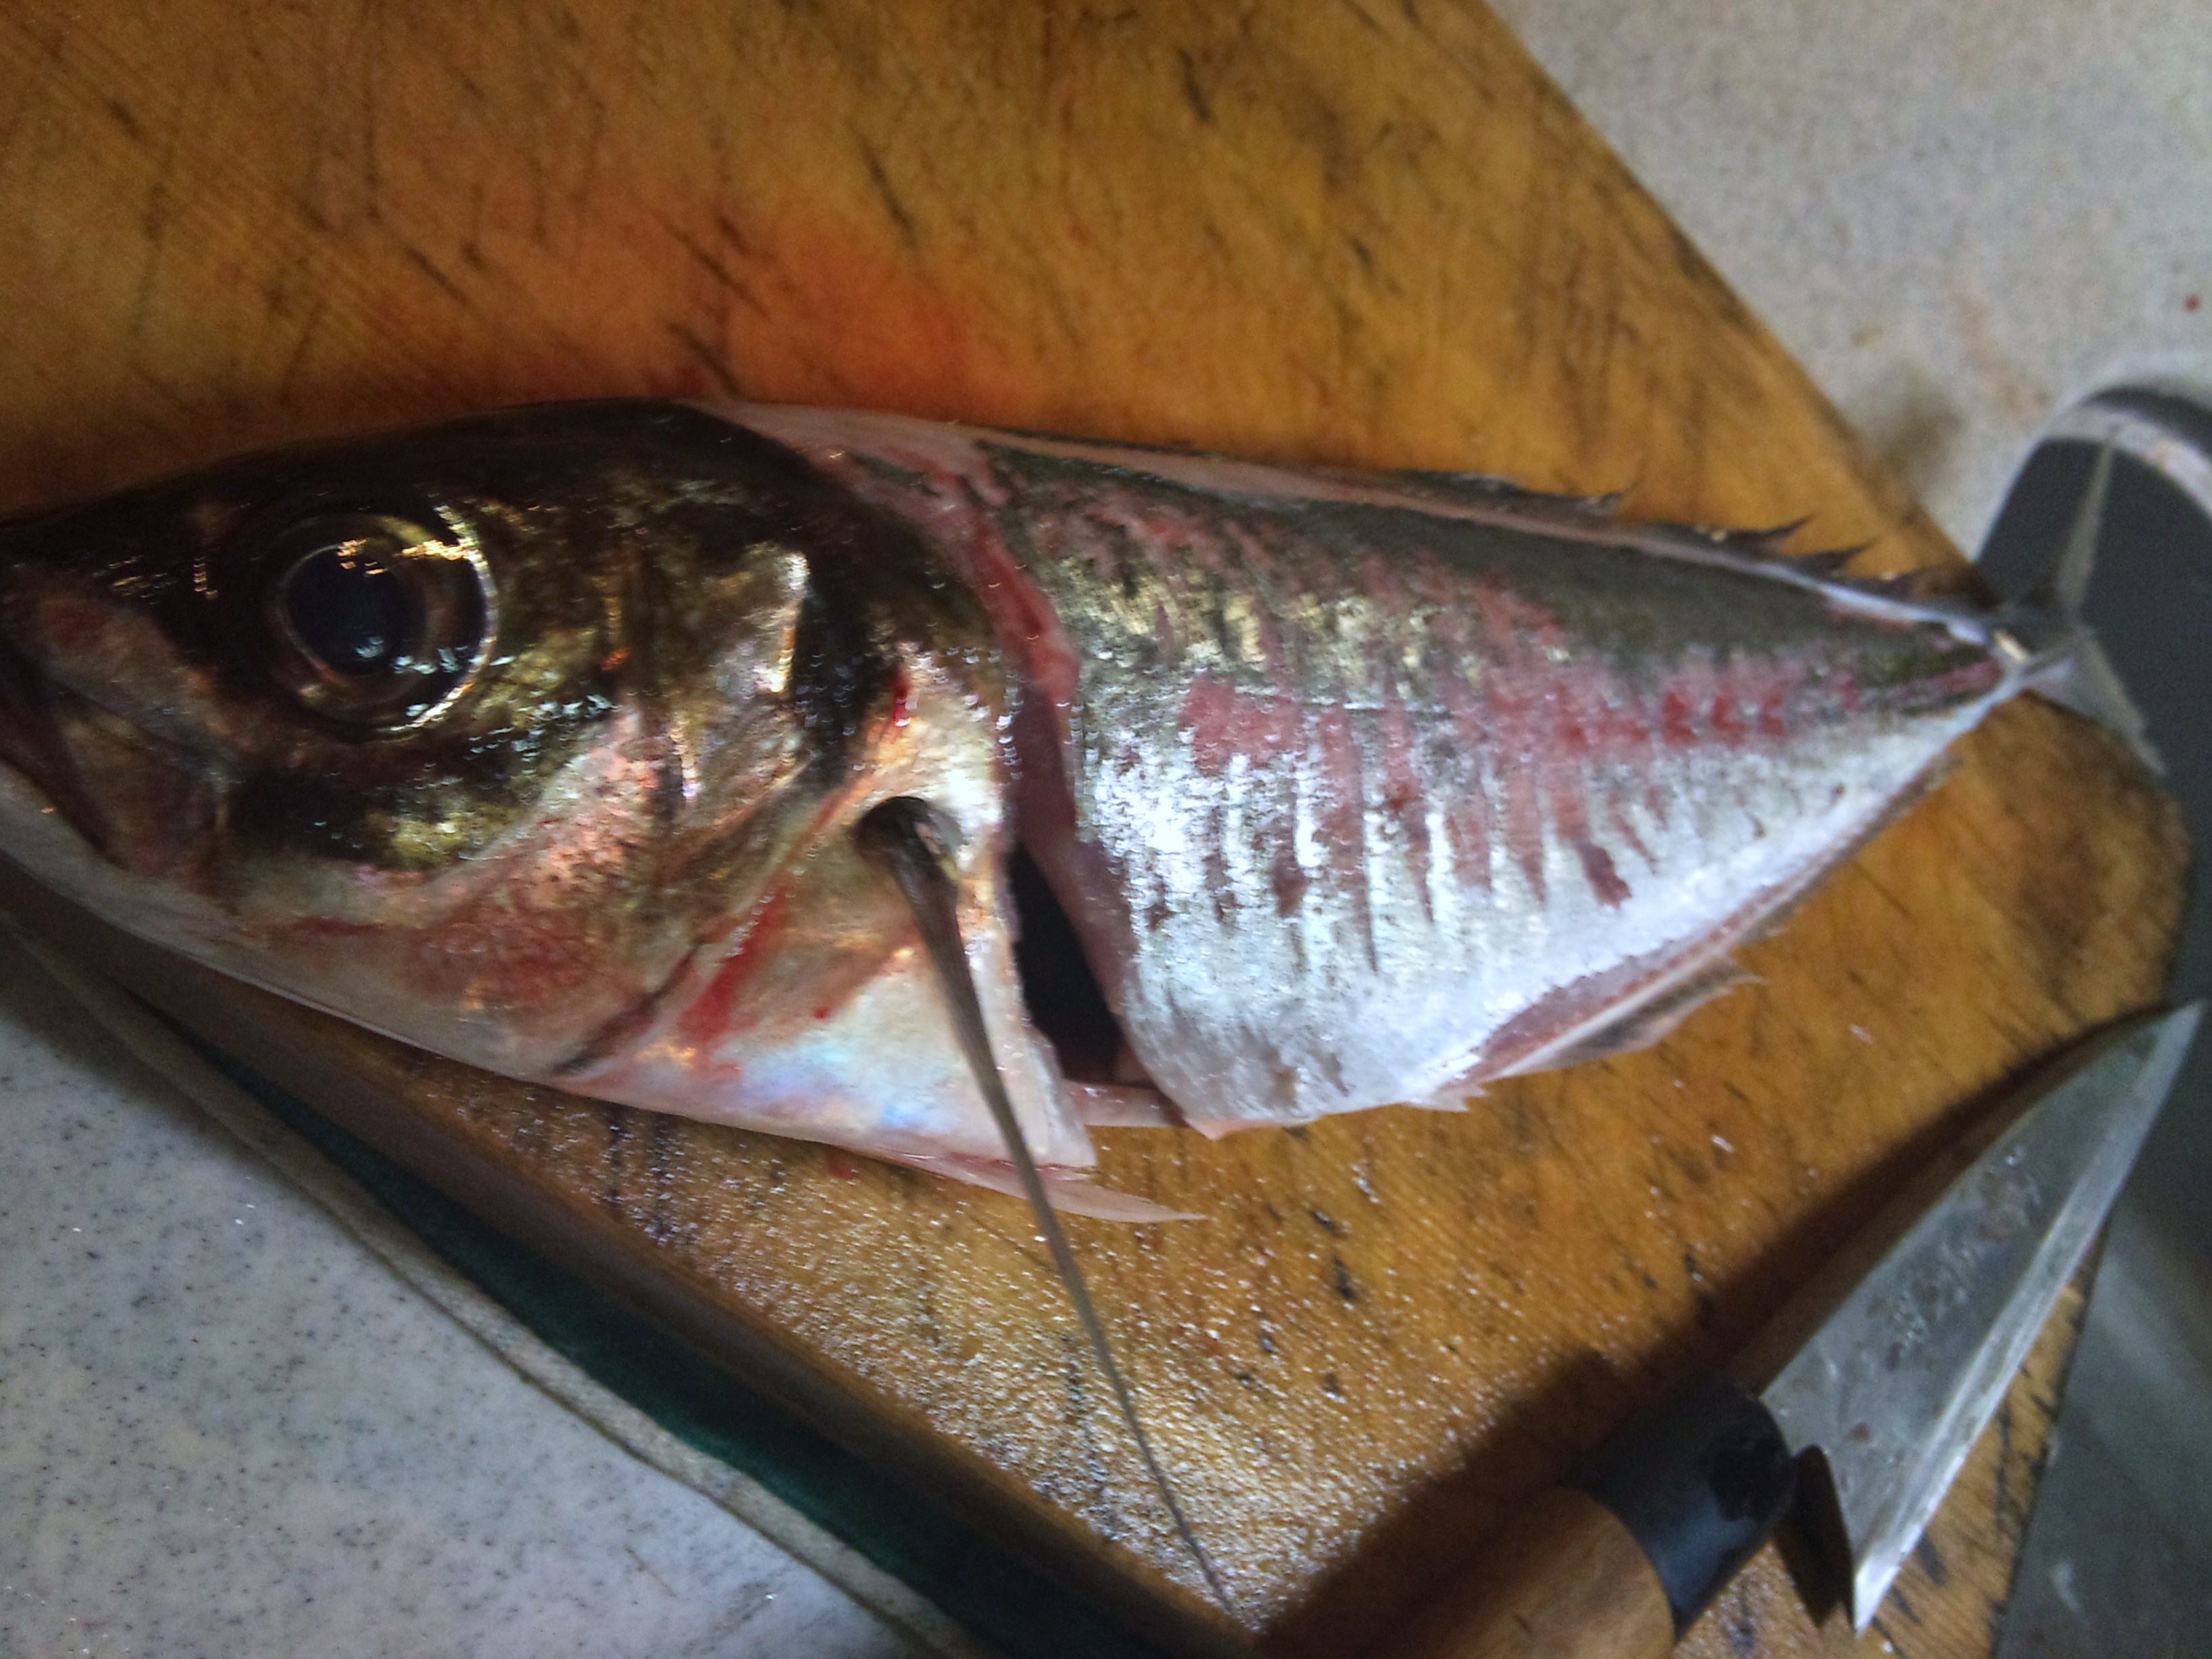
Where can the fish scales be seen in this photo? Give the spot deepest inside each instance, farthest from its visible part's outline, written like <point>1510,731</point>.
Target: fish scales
<point>1374,802</point>
<point>544,739</point>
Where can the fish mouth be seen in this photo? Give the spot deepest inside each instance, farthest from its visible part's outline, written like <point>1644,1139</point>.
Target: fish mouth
<point>31,740</point>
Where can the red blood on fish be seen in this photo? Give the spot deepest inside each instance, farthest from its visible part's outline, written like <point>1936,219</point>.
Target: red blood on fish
<point>712,1012</point>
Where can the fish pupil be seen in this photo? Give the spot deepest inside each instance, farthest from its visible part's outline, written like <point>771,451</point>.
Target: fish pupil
<point>375,620</point>
<point>347,609</point>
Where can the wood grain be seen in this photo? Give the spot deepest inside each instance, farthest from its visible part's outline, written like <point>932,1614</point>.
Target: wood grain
<point>1357,233</point>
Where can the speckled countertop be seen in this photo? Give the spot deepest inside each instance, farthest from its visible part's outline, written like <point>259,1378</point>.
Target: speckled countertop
<point>228,1427</point>
<point>1959,217</point>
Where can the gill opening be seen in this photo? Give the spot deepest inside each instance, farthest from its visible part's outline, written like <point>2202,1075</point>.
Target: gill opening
<point>1062,997</point>
<point>910,842</point>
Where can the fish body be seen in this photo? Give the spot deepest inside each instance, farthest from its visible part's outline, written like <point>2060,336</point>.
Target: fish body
<point>540,740</point>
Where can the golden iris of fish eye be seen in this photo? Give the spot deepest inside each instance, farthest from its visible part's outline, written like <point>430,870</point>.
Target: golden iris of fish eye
<point>440,572</point>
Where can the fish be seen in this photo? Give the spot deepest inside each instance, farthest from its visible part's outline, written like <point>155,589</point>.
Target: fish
<point>544,739</point>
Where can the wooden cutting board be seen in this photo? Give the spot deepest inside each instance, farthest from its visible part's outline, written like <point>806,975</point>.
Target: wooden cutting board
<point>1361,234</point>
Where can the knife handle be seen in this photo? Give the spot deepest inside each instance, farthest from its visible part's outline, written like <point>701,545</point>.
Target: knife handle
<point>1620,1565</point>
<point>1565,1578</point>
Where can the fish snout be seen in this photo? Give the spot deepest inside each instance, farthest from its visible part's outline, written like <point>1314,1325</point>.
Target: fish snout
<point>31,741</point>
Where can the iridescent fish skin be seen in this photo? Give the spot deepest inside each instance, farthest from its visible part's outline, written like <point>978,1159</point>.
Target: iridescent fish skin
<point>1364,790</point>
<point>1356,790</point>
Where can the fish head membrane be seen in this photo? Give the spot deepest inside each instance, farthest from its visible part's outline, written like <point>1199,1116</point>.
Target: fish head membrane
<point>536,739</point>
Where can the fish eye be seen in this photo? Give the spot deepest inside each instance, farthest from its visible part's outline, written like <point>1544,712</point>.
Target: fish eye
<point>374,620</point>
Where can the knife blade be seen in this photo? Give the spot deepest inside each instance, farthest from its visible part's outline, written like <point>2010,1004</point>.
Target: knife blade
<point>1852,1410</point>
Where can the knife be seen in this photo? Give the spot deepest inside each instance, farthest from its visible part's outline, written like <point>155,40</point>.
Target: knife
<point>1851,1412</point>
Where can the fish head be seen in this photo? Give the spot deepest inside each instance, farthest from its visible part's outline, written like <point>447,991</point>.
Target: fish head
<point>537,739</point>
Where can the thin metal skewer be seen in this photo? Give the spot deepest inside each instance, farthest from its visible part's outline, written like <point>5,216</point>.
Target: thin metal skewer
<point>906,837</point>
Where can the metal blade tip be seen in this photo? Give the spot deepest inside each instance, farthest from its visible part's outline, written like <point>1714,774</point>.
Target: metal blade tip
<point>1896,1381</point>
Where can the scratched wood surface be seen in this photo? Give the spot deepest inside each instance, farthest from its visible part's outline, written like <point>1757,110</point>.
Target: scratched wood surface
<point>1361,234</point>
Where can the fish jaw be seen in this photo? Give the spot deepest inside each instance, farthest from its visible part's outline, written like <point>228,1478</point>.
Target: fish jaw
<point>877,1072</point>
<point>487,964</point>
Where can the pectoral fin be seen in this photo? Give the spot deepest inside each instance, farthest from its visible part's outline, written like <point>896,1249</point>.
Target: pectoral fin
<point>1644,1022</point>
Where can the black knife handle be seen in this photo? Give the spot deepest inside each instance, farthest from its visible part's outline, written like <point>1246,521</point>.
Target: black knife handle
<point>1702,1482</point>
